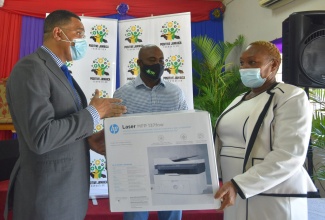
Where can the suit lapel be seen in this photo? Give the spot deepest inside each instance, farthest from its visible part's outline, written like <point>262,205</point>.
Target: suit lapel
<point>80,93</point>
<point>55,69</point>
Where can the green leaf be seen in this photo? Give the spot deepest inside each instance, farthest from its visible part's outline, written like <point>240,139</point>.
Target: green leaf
<point>218,82</point>
<point>317,98</point>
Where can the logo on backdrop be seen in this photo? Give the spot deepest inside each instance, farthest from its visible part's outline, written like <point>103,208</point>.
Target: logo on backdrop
<point>133,35</point>
<point>100,68</point>
<point>169,32</point>
<point>133,68</point>
<point>102,94</point>
<point>99,34</point>
<point>173,66</point>
<point>97,171</point>
<point>99,127</point>
<point>69,64</point>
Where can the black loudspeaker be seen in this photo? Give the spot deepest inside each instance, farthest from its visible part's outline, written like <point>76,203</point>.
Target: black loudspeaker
<point>303,49</point>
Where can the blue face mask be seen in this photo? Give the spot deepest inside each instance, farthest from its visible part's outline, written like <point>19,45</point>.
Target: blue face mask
<point>79,49</point>
<point>252,77</point>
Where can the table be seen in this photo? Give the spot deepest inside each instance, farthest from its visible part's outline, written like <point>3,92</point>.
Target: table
<point>102,212</point>
<point>7,127</point>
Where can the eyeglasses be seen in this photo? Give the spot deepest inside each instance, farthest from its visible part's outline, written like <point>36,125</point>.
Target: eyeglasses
<point>80,32</point>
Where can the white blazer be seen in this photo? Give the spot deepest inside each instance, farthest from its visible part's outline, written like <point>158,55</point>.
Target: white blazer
<point>275,163</point>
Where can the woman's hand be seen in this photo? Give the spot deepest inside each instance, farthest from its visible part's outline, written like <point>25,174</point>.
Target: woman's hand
<point>97,142</point>
<point>227,194</point>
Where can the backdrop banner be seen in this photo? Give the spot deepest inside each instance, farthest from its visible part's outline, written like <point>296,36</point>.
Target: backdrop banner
<point>172,33</point>
<point>97,70</point>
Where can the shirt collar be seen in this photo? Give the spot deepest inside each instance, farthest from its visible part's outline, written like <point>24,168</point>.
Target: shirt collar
<point>138,82</point>
<point>55,58</point>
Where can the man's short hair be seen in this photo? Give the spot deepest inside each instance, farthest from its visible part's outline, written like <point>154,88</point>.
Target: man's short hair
<point>145,47</point>
<point>58,18</point>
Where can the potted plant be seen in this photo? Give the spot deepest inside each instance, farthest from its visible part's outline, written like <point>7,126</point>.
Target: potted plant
<point>317,97</point>
<point>218,82</point>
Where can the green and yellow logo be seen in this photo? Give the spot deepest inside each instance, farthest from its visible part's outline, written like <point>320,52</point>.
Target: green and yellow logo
<point>133,67</point>
<point>99,127</point>
<point>173,64</point>
<point>102,94</point>
<point>69,64</point>
<point>98,33</point>
<point>169,30</point>
<point>100,66</point>
<point>133,33</point>
<point>97,168</point>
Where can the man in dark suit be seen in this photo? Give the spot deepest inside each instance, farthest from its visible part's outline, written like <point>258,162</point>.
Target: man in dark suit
<point>50,180</point>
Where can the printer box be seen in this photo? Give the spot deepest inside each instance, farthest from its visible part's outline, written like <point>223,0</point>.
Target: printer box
<point>161,161</point>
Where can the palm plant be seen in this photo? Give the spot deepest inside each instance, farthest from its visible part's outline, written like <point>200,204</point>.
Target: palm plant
<point>218,82</point>
<point>317,97</point>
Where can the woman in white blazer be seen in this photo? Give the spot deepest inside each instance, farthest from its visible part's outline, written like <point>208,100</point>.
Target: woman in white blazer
<point>262,140</point>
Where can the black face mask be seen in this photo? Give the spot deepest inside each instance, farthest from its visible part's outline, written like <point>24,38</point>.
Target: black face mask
<point>154,71</point>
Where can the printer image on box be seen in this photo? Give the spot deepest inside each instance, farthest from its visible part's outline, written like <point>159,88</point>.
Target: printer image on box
<point>161,161</point>
<point>180,176</point>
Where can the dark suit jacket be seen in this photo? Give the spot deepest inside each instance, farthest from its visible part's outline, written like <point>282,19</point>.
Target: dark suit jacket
<point>51,177</point>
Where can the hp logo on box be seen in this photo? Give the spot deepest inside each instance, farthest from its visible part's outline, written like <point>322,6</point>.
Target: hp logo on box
<point>114,128</point>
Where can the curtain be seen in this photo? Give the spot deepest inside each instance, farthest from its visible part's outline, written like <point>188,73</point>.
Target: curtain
<point>31,35</point>
<point>211,29</point>
<point>9,41</point>
<point>9,52</point>
<point>96,8</point>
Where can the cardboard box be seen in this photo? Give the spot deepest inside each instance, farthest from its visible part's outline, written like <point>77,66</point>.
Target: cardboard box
<point>161,161</point>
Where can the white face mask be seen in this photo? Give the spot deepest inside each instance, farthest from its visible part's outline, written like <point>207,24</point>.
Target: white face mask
<point>252,77</point>
<point>79,49</point>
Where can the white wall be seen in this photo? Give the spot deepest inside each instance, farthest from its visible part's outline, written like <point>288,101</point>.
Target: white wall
<point>248,18</point>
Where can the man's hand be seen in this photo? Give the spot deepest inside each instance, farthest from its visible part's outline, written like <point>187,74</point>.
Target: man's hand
<point>97,142</point>
<point>227,194</point>
<point>107,107</point>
